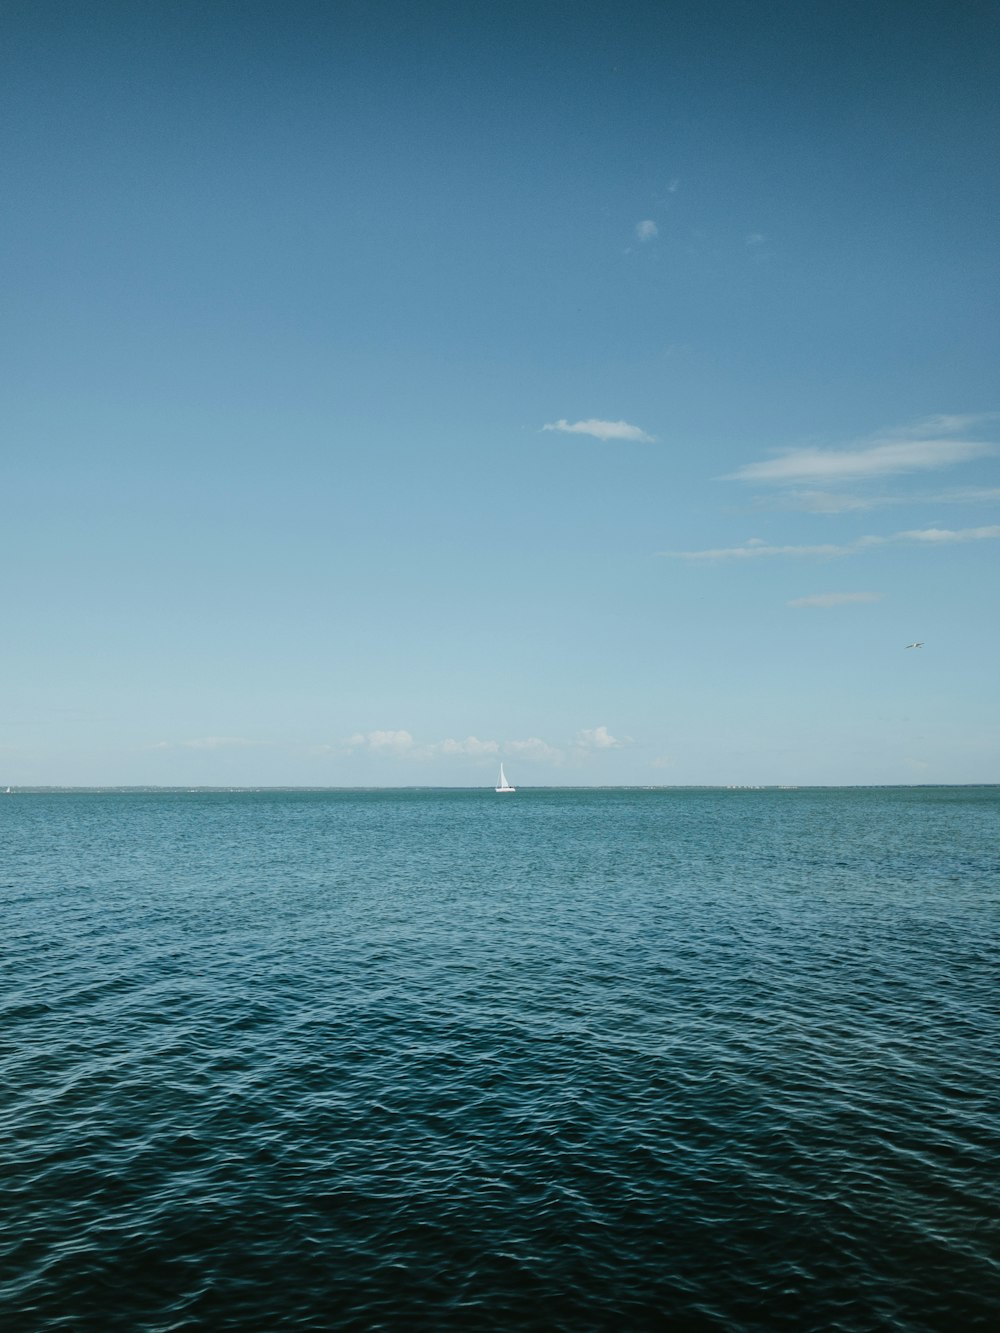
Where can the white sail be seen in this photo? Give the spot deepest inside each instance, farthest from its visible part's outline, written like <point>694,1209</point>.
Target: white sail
<point>502,783</point>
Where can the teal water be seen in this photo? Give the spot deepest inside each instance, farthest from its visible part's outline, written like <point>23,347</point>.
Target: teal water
<point>434,1060</point>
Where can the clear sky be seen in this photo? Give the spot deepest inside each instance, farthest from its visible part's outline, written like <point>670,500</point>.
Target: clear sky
<point>393,387</point>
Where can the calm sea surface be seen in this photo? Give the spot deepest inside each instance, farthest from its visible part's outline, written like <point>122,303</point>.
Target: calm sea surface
<point>434,1060</point>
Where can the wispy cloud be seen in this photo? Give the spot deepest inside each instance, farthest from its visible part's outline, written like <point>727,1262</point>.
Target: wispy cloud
<point>647,230</point>
<point>601,430</point>
<point>832,502</point>
<point>756,549</point>
<point>839,502</point>
<point>534,748</point>
<point>962,495</point>
<point>598,738</point>
<point>825,599</point>
<point>879,460</point>
<point>216,743</point>
<point>755,239</point>
<point>204,743</point>
<point>944,423</point>
<point>940,536</point>
<point>381,742</point>
<point>402,745</point>
<point>471,747</point>
<point>926,445</point>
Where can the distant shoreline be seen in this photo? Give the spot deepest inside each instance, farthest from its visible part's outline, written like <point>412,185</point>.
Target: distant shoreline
<point>42,790</point>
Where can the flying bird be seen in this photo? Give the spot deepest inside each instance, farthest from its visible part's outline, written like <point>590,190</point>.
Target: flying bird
<point>916,645</point>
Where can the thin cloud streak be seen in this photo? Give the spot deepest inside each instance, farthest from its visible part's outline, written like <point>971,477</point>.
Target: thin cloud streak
<point>204,743</point>
<point>602,430</point>
<point>941,535</point>
<point>880,460</point>
<point>826,599</point>
<point>400,744</point>
<point>944,423</point>
<point>216,743</point>
<point>836,502</point>
<point>757,549</point>
<point>922,446</point>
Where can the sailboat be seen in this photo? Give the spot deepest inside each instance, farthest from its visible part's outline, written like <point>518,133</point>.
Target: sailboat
<point>502,783</point>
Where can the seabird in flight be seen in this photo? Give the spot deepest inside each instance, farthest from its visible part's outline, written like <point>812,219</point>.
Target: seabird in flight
<point>916,645</point>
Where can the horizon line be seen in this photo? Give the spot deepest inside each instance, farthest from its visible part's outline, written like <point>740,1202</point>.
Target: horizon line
<point>28,789</point>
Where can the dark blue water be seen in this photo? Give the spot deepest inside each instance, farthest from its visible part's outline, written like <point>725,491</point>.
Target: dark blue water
<point>576,1060</point>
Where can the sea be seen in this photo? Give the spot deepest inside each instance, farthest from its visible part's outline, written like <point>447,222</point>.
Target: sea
<point>622,1059</point>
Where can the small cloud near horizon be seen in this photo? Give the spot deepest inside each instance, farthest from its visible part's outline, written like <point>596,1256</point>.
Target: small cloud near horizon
<point>400,744</point>
<point>598,738</point>
<point>601,430</point>
<point>534,748</point>
<point>381,742</point>
<point>835,598</point>
<point>204,743</point>
<point>471,747</point>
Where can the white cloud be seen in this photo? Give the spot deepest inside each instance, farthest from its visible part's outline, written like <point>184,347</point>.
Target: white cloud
<point>830,502</point>
<point>755,239</point>
<point>939,535</point>
<point>880,460</point>
<point>966,495</point>
<point>215,743</point>
<point>647,230</point>
<point>401,745</point>
<point>835,598</point>
<point>923,446</point>
<point>202,743</point>
<point>534,748</point>
<point>944,423</point>
<point>601,430</point>
<point>381,742</point>
<point>755,548</point>
<point>470,747</point>
<point>598,738</point>
<point>838,502</point>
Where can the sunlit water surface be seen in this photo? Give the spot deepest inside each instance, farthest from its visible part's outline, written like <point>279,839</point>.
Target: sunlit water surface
<point>434,1060</point>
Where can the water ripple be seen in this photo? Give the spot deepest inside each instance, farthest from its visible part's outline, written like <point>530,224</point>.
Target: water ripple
<point>583,1061</point>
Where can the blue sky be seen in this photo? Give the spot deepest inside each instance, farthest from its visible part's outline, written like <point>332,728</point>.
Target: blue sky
<point>390,388</point>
